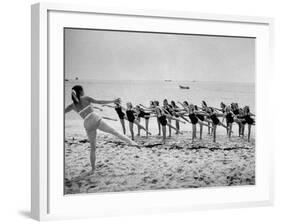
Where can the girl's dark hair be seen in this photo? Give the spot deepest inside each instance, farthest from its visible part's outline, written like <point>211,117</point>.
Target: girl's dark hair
<point>185,102</point>
<point>223,105</point>
<point>204,103</point>
<point>173,103</point>
<point>195,107</point>
<point>76,93</point>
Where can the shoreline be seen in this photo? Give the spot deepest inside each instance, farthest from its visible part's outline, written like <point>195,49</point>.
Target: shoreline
<point>177,164</point>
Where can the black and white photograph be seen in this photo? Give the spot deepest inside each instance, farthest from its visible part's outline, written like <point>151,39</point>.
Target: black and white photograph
<point>153,111</point>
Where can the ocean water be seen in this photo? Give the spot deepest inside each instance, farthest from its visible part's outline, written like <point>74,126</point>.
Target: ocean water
<point>143,92</point>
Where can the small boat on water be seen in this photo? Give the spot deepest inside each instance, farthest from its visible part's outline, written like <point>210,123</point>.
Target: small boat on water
<point>184,87</point>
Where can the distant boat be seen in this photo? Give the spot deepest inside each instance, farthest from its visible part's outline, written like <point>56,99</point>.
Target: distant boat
<point>168,80</point>
<point>184,87</point>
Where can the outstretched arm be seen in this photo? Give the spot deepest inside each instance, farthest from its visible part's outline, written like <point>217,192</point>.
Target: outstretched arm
<point>143,106</point>
<point>92,100</point>
<point>108,106</point>
<point>68,108</point>
<point>181,104</point>
<point>219,115</point>
<point>216,109</point>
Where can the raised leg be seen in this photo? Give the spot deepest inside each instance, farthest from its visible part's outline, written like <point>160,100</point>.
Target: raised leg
<point>108,129</point>
<point>140,126</point>
<point>172,127</point>
<point>122,121</point>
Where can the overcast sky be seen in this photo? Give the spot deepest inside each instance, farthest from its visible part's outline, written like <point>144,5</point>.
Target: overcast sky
<point>110,55</point>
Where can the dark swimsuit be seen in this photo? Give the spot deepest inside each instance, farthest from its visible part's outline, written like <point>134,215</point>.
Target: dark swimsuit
<point>162,119</point>
<point>200,117</point>
<point>130,115</point>
<point>143,114</point>
<point>236,112</point>
<point>193,118</point>
<point>215,120</point>
<point>248,119</point>
<point>120,112</point>
<point>229,118</point>
<point>176,109</point>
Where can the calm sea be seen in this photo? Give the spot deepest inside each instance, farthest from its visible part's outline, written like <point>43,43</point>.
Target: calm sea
<point>144,91</point>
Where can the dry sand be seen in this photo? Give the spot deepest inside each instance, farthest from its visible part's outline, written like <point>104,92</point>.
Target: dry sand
<point>177,164</point>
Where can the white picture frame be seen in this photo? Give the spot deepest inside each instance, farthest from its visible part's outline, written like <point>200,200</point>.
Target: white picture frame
<point>47,199</point>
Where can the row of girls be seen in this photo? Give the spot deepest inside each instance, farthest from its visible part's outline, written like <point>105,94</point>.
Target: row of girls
<point>169,116</point>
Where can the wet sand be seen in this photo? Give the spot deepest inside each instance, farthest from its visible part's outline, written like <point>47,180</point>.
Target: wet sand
<point>177,164</point>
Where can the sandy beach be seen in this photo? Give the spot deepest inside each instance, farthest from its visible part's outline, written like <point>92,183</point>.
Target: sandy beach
<point>177,164</point>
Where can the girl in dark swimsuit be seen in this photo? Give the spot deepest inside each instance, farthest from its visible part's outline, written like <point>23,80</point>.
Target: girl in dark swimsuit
<point>229,116</point>
<point>214,117</point>
<point>238,113</point>
<point>119,110</point>
<point>162,117</point>
<point>202,117</point>
<point>169,111</point>
<point>183,113</point>
<point>250,121</point>
<point>130,112</point>
<point>195,117</point>
<point>152,108</point>
<point>245,118</point>
<point>194,120</point>
<point>141,113</point>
